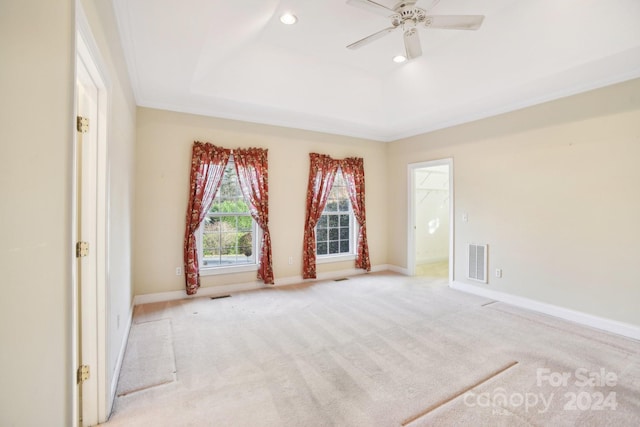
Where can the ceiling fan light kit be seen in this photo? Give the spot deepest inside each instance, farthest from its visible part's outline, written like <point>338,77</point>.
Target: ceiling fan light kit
<point>405,15</point>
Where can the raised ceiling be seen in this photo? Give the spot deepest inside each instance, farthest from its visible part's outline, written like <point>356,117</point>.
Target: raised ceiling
<point>235,59</point>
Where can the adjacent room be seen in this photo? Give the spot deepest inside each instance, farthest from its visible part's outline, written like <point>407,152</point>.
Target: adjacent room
<point>322,213</point>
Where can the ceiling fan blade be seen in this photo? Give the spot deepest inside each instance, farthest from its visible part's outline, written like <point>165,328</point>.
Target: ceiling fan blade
<point>412,43</point>
<point>454,22</point>
<point>371,38</point>
<point>372,6</point>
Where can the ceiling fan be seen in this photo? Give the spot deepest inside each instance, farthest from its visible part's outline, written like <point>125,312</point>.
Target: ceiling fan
<point>404,14</point>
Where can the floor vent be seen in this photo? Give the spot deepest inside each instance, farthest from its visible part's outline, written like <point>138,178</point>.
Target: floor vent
<point>341,279</point>
<point>478,263</point>
<point>221,296</point>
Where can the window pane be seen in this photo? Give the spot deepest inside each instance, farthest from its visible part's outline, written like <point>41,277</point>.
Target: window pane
<point>245,243</point>
<point>344,233</point>
<point>321,248</point>
<point>335,226</point>
<point>227,234</point>
<point>333,247</point>
<point>245,223</point>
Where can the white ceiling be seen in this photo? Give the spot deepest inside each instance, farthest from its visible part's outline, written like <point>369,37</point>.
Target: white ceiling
<point>234,59</point>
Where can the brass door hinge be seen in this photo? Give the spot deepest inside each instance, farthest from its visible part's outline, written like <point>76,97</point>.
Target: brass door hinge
<point>82,124</point>
<point>83,373</point>
<point>82,249</point>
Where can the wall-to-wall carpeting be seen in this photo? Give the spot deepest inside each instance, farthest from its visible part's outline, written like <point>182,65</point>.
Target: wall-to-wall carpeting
<point>376,350</point>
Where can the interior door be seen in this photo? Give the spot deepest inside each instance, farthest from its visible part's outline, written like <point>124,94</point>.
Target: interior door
<point>86,254</point>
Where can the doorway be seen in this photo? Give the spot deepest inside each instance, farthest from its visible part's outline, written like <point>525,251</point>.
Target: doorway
<point>430,242</point>
<point>90,397</point>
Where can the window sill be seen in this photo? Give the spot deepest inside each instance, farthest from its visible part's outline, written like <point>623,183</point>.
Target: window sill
<point>335,258</point>
<point>214,271</point>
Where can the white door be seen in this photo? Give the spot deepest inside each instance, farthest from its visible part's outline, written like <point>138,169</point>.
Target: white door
<point>86,222</point>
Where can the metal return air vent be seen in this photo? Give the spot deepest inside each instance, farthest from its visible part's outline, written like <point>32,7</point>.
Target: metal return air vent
<point>477,263</point>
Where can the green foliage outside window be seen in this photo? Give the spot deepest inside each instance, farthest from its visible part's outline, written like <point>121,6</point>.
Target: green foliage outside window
<point>227,236</point>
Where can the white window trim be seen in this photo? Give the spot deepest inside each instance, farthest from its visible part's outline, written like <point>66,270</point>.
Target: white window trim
<point>353,243</point>
<point>326,259</point>
<point>230,269</point>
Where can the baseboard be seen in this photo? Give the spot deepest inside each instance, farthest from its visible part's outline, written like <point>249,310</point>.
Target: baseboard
<point>602,323</point>
<point>399,270</point>
<point>116,372</point>
<point>247,286</point>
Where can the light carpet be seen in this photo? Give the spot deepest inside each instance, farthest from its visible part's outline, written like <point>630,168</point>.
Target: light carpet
<point>149,360</point>
<point>381,350</point>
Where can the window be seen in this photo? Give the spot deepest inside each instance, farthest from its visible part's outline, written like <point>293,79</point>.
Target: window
<point>228,232</point>
<point>335,231</point>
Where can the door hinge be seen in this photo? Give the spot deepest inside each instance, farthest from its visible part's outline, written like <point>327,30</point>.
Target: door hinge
<point>83,373</point>
<point>82,249</point>
<point>82,124</point>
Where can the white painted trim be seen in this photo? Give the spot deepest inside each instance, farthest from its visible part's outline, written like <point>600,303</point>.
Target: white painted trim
<point>328,259</point>
<point>411,207</point>
<point>230,269</point>
<point>247,286</point>
<point>202,292</point>
<point>597,322</point>
<point>87,53</point>
<point>399,270</point>
<point>118,367</point>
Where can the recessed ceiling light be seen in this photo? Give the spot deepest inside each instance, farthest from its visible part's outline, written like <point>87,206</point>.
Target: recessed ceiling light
<point>288,18</point>
<point>399,59</point>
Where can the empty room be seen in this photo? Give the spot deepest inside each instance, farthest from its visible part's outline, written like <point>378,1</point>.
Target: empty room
<point>320,213</point>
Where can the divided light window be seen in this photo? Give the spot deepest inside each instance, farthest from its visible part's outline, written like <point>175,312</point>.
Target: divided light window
<point>335,231</point>
<point>228,231</point>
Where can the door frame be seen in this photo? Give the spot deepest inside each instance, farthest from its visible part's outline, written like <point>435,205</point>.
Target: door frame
<point>94,325</point>
<point>411,235</point>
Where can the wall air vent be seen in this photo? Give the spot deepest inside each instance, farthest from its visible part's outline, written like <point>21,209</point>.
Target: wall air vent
<point>478,263</point>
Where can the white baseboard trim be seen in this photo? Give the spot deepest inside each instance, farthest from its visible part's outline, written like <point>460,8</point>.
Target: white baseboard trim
<point>116,371</point>
<point>202,292</point>
<point>399,270</point>
<point>602,323</point>
<point>247,286</point>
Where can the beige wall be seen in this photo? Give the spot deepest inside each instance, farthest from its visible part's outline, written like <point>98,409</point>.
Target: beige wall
<point>553,190</point>
<point>163,155</point>
<point>36,158</point>
<point>36,109</point>
<point>121,148</point>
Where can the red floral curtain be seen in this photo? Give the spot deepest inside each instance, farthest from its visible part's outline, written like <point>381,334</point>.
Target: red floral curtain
<point>353,172</point>
<point>207,165</point>
<point>322,172</point>
<point>251,166</point>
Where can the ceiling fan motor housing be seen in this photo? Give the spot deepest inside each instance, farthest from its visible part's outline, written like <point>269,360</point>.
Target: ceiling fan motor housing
<point>409,15</point>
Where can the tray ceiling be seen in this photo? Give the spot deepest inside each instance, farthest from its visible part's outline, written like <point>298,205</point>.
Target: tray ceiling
<point>235,59</point>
